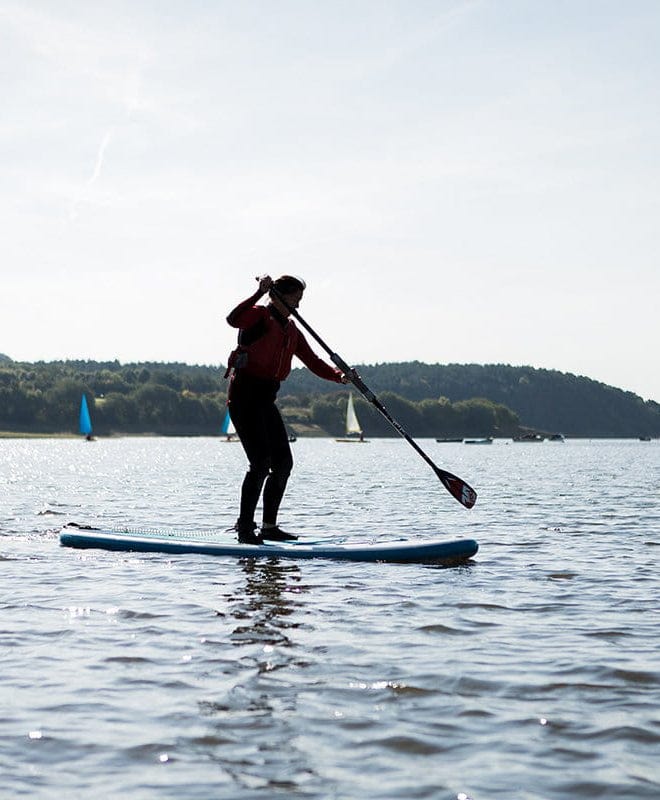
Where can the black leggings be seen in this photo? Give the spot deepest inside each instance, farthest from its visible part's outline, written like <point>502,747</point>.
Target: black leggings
<point>264,438</point>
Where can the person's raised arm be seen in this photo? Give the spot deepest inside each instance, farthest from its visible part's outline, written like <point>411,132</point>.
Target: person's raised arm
<point>240,317</point>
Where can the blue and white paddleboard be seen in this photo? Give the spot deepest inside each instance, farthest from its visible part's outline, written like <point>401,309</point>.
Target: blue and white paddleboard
<point>219,544</point>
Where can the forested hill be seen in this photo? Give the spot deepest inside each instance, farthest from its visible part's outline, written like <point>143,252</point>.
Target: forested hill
<point>544,399</point>
<point>429,400</point>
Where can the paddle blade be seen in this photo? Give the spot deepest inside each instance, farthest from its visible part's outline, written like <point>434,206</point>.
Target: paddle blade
<point>457,488</point>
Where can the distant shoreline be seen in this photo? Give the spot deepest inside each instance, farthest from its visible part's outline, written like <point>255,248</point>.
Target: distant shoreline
<point>311,436</point>
<point>21,435</point>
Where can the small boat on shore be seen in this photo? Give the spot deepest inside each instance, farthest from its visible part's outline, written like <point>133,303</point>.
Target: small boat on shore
<point>486,440</point>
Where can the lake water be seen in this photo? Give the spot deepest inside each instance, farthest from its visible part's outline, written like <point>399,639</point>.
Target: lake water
<point>533,672</point>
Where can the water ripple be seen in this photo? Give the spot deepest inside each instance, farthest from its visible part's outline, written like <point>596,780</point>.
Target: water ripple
<point>531,673</point>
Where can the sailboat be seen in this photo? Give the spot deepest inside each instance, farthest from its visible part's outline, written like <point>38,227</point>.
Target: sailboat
<point>353,429</point>
<point>228,429</point>
<point>85,421</point>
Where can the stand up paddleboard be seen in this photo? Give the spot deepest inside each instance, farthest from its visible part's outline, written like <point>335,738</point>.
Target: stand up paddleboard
<point>219,544</point>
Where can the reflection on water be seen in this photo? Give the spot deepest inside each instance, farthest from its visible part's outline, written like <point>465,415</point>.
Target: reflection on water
<point>254,722</point>
<point>267,602</point>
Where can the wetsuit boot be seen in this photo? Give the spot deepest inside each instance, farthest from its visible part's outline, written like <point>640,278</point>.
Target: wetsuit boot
<point>273,533</point>
<point>247,533</point>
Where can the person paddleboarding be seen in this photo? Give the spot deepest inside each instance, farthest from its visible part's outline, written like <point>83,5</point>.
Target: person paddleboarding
<point>267,341</point>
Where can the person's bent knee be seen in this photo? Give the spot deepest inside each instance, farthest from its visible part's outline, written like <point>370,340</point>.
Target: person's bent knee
<point>282,468</point>
<point>261,468</point>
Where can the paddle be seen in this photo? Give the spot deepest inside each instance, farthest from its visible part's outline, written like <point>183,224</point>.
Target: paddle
<point>457,487</point>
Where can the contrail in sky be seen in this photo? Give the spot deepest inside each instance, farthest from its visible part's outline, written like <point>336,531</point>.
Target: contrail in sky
<point>99,157</point>
<point>132,103</point>
<point>98,164</point>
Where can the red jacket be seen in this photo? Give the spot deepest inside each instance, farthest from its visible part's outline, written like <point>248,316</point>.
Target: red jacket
<point>269,356</point>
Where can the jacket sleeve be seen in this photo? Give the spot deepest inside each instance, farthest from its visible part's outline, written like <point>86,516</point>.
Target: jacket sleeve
<point>317,365</point>
<point>246,313</point>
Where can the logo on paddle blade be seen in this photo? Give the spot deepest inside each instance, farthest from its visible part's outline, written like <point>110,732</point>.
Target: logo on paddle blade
<point>460,490</point>
<point>468,496</point>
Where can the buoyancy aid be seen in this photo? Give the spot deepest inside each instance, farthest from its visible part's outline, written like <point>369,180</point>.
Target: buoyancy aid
<point>267,342</point>
<point>266,348</point>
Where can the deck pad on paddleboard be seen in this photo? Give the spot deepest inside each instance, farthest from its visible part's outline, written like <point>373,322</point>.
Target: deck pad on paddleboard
<point>218,544</point>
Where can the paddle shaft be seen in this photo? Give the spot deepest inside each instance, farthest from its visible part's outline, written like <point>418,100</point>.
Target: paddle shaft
<point>457,487</point>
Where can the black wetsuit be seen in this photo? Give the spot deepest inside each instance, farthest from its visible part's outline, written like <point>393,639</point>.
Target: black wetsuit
<point>265,440</point>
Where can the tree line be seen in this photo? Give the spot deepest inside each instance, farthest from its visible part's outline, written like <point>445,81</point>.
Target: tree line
<point>544,400</point>
<point>428,400</point>
<point>133,398</point>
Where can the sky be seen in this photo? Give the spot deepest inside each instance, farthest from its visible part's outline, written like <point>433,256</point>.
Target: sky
<point>458,181</point>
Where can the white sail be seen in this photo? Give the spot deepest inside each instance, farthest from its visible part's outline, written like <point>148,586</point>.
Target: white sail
<point>352,424</point>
